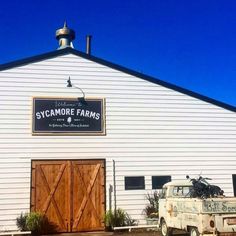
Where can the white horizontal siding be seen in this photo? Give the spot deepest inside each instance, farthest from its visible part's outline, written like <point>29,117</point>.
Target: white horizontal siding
<point>157,107</point>
<point>150,130</point>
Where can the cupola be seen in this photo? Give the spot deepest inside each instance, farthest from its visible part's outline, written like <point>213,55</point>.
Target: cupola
<point>65,36</point>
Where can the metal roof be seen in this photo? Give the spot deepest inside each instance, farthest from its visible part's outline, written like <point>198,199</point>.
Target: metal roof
<point>178,183</point>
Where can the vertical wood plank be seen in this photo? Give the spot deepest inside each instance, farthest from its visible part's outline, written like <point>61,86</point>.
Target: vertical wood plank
<point>33,188</point>
<point>70,182</point>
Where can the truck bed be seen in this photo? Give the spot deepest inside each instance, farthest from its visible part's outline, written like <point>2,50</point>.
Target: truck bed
<point>222,205</point>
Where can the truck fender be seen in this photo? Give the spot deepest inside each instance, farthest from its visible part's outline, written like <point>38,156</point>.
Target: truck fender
<point>165,230</point>
<point>193,231</point>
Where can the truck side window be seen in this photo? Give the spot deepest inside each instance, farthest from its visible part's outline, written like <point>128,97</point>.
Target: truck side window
<point>177,191</point>
<point>181,191</point>
<point>186,191</point>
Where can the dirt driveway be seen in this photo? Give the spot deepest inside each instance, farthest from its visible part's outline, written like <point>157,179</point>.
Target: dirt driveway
<point>134,232</point>
<point>138,233</point>
<point>146,233</point>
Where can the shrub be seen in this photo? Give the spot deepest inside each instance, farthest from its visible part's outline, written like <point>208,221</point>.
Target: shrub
<point>34,222</point>
<point>21,222</point>
<point>152,208</point>
<point>118,218</point>
<point>30,221</point>
<point>129,221</point>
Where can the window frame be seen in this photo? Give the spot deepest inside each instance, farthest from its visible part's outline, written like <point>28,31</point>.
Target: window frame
<point>128,185</point>
<point>160,185</point>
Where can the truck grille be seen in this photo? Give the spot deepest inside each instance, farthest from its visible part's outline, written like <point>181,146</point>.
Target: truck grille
<point>231,221</point>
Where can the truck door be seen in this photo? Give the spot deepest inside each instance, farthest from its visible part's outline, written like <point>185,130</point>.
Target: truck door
<point>162,203</point>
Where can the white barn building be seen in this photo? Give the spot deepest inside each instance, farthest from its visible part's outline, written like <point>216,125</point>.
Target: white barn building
<point>144,132</point>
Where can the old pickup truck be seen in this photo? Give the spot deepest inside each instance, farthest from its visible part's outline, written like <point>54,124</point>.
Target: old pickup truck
<point>198,216</point>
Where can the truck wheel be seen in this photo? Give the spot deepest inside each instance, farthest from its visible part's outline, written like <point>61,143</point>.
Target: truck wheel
<point>166,231</point>
<point>194,231</point>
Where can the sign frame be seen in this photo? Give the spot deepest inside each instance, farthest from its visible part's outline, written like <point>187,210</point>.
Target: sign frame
<point>68,133</point>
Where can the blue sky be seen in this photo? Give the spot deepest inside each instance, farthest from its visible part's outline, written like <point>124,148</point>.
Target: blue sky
<point>190,43</point>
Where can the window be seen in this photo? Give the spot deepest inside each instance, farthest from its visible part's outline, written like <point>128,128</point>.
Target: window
<point>159,181</point>
<point>163,193</point>
<point>134,182</point>
<point>182,191</point>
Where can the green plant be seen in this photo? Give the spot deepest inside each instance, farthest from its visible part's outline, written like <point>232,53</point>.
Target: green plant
<point>151,209</point>
<point>21,222</point>
<point>129,221</point>
<point>118,218</point>
<point>34,222</point>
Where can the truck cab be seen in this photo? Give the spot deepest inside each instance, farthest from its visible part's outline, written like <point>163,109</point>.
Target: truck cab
<point>210,216</point>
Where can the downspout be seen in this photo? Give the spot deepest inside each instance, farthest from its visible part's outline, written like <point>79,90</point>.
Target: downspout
<point>114,185</point>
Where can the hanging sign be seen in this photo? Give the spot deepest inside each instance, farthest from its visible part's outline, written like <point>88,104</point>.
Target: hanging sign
<point>68,116</point>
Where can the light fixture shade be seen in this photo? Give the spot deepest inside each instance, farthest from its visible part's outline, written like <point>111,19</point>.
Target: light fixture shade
<point>69,84</point>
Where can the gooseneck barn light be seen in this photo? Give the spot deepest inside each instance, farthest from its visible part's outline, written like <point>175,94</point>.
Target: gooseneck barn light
<point>70,85</point>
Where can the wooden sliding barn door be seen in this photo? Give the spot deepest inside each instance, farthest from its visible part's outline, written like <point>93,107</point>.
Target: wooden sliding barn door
<point>88,195</point>
<point>49,192</point>
<point>70,194</point>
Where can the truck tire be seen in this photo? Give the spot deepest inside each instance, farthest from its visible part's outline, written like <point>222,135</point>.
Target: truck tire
<point>194,231</point>
<point>165,230</point>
